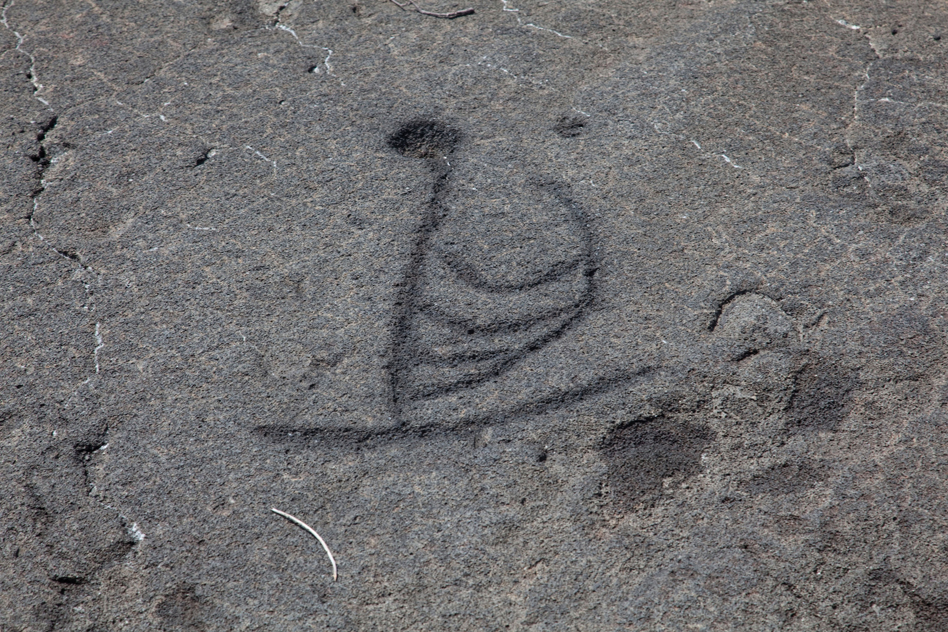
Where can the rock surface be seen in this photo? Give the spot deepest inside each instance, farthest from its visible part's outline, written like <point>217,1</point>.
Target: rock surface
<point>589,316</point>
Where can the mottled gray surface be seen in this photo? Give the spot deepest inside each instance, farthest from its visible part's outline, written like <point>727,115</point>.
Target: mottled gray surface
<point>590,316</point>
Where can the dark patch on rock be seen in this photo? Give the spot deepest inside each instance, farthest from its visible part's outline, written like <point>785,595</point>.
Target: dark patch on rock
<point>424,138</point>
<point>642,454</point>
<point>931,615</point>
<point>822,394</point>
<point>840,156</point>
<point>570,126</point>
<point>183,609</point>
<point>885,590</point>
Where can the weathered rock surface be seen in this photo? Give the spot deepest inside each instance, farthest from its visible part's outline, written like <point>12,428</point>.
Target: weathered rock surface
<point>591,316</point>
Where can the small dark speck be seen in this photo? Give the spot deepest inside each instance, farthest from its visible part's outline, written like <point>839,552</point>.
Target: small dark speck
<point>570,126</point>
<point>200,160</point>
<point>895,31</point>
<point>937,38</point>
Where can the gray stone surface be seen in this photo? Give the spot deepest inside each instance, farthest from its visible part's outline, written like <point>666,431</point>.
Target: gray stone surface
<point>554,316</point>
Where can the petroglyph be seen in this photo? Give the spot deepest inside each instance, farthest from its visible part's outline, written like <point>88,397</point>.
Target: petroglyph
<point>503,264</point>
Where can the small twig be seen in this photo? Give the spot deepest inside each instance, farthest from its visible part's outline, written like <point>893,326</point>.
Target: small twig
<point>296,520</point>
<point>446,16</point>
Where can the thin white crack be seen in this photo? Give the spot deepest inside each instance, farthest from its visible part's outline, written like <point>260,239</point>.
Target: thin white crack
<point>917,104</point>
<point>161,117</point>
<point>522,81</point>
<point>520,22</point>
<point>859,89</point>
<point>483,62</point>
<point>326,62</point>
<point>33,222</point>
<point>849,25</point>
<point>725,157</point>
<point>133,530</point>
<point>315,70</point>
<point>35,228</point>
<point>89,306</point>
<point>272,162</point>
<point>730,162</point>
<point>37,86</point>
<point>75,392</point>
<point>99,345</point>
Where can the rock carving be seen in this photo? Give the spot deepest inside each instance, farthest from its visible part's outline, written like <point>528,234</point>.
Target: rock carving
<point>498,270</point>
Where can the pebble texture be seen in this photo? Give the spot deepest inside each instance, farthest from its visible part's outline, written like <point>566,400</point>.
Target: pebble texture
<point>628,314</point>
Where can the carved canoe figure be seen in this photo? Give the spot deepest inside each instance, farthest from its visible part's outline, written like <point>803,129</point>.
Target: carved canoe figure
<point>502,265</point>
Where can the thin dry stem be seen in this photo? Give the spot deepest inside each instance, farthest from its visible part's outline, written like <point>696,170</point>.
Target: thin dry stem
<point>312,531</point>
<point>446,16</point>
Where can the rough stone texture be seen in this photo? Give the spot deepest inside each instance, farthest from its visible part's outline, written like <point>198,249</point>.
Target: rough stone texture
<point>587,316</point>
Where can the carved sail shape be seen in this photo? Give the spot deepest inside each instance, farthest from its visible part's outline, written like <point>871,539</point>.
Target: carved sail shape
<point>503,265</point>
